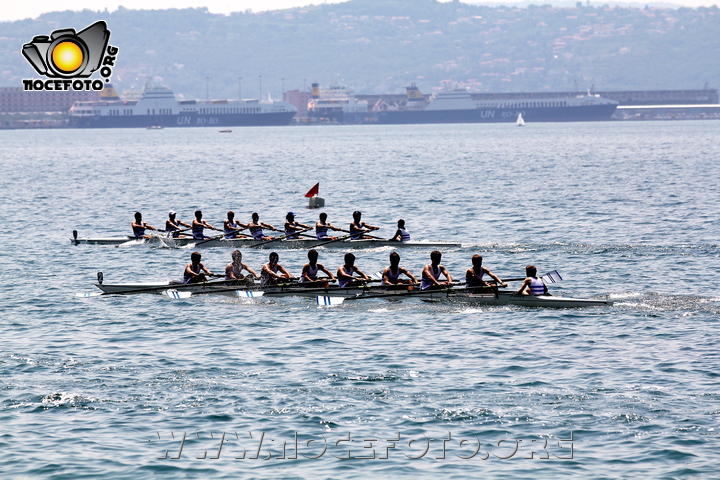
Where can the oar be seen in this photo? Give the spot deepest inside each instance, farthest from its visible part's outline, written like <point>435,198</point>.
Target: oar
<point>334,300</point>
<point>176,295</point>
<point>193,245</point>
<point>363,234</point>
<point>172,232</point>
<point>339,239</point>
<point>552,277</point>
<point>281,237</point>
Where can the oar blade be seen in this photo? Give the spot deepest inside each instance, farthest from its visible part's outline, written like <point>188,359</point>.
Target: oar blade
<point>176,295</point>
<point>552,277</point>
<point>329,301</point>
<point>249,293</point>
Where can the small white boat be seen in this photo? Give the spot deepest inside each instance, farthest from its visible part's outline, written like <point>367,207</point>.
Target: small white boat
<point>520,122</point>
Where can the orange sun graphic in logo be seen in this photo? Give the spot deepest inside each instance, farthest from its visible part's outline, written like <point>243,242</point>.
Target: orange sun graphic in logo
<point>67,56</point>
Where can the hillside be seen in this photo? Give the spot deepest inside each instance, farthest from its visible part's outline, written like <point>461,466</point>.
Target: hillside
<point>380,46</point>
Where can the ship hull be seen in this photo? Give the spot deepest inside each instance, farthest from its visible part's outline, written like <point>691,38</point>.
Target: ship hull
<point>584,113</point>
<point>184,120</point>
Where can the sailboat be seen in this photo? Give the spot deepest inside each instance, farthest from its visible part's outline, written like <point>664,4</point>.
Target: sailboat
<point>520,122</point>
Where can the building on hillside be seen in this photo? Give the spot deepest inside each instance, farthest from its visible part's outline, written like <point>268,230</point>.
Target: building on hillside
<point>17,100</point>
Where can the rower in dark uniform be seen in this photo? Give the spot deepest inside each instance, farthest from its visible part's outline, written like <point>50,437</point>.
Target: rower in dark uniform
<point>139,227</point>
<point>195,271</point>
<point>256,228</point>
<point>198,225</point>
<point>232,227</point>
<point>431,273</point>
<point>358,227</point>
<point>391,274</point>
<point>172,225</point>
<point>474,277</point>
<point>311,269</point>
<point>273,273</point>
<point>322,226</point>
<point>292,227</point>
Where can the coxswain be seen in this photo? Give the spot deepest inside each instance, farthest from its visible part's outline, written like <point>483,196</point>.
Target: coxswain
<point>198,225</point>
<point>474,277</point>
<point>431,273</point>
<point>311,269</point>
<point>532,284</point>
<point>346,273</point>
<point>292,227</point>
<point>139,227</point>
<point>322,226</point>
<point>234,269</point>
<point>391,274</point>
<point>358,228</point>
<point>256,228</point>
<point>273,273</point>
<point>172,225</point>
<point>195,271</point>
<point>232,227</point>
<point>401,235</point>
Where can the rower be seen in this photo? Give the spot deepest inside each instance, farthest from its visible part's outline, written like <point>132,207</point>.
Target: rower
<point>432,272</point>
<point>391,274</point>
<point>256,228</point>
<point>322,226</point>
<point>195,271</point>
<point>272,272</point>
<point>232,227</point>
<point>198,225</point>
<point>172,225</point>
<point>534,285</point>
<point>139,227</point>
<point>401,235</point>
<point>292,227</point>
<point>311,269</point>
<point>233,270</point>
<point>346,273</point>
<point>358,228</point>
<point>474,277</point>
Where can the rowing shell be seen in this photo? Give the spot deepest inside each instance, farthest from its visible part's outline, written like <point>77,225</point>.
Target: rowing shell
<point>458,295</point>
<point>310,289</point>
<point>249,242</point>
<point>324,291</point>
<point>510,298</point>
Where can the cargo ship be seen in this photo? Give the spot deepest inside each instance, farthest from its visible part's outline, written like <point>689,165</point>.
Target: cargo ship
<point>157,107</point>
<point>336,105</point>
<point>458,106</point>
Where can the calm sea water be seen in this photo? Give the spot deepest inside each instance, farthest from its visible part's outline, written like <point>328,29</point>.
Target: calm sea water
<point>144,386</point>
